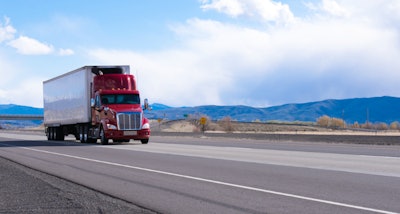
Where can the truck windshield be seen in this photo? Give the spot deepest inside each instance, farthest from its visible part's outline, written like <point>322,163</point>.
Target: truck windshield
<point>120,99</point>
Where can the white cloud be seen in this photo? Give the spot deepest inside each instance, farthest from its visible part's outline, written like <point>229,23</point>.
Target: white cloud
<point>231,7</point>
<point>65,52</point>
<point>338,53</point>
<point>7,31</point>
<point>26,45</point>
<point>333,8</point>
<point>17,86</point>
<point>266,10</point>
<point>8,71</point>
<point>29,46</point>
<point>329,7</point>
<point>25,92</point>
<point>169,77</point>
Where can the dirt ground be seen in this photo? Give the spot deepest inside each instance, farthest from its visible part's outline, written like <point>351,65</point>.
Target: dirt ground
<point>276,128</point>
<point>275,132</point>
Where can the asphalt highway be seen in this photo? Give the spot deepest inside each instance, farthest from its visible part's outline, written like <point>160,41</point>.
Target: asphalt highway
<point>210,175</point>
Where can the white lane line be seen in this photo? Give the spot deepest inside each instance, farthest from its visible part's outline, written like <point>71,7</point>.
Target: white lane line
<point>218,182</point>
<point>372,165</point>
<point>365,164</point>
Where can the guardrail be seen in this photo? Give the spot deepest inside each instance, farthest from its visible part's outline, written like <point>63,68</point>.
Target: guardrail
<point>20,117</point>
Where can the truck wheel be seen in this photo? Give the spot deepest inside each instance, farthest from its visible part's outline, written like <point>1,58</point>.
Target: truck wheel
<point>103,139</point>
<point>144,141</point>
<point>59,134</point>
<point>52,133</point>
<point>49,133</point>
<point>83,134</point>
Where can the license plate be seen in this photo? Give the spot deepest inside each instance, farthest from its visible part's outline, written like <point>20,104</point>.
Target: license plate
<point>128,133</point>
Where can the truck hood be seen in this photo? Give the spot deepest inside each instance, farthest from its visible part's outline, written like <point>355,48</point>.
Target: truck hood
<point>125,108</point>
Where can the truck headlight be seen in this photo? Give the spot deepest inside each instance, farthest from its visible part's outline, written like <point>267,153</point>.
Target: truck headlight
<point>111,126</point>
<point>146,126</point>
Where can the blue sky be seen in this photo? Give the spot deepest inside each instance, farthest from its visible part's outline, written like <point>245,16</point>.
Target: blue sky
<point>200,52</point>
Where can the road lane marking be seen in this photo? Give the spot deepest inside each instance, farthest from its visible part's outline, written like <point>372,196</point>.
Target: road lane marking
<point>216,182</point>
<point>372,165</point>
<point>365,164</point>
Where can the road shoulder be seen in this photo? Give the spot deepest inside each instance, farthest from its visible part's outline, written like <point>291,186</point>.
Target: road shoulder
<point>27,190</point>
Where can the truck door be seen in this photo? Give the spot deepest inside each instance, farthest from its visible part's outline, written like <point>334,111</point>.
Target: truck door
<point>96,111</point>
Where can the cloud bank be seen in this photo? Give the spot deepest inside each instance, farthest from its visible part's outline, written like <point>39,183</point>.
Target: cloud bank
<point>260,9</point>
<point>340,49</point>
<point>18,84</point>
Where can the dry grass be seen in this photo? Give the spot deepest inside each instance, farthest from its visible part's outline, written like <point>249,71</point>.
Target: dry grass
<point>237,127</point>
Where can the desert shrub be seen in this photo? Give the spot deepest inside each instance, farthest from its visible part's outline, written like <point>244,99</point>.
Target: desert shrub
<point>337,123</point>
<point>323,121</point>
<point>328,122</point>
<point>394,126</point>
<point>381,126</point>
<point>367,125</point>
<point>226,124</point>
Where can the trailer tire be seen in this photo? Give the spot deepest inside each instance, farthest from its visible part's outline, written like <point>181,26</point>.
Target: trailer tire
<point>103,138</point>
<point>59,133</point>
<point>52,133</point>
<point>49,134</point>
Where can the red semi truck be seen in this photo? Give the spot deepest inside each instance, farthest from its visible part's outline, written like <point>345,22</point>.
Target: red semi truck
<point>95,102</point>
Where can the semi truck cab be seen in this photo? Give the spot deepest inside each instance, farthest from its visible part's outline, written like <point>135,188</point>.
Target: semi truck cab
<point>118,115</point>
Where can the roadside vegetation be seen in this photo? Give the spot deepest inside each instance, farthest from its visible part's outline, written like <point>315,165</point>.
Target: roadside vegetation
<point>202,123</point>
<point>337,123</point>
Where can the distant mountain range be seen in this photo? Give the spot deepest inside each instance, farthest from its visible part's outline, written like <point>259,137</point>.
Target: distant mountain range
<point>377,109</point>
<point>17,109</point>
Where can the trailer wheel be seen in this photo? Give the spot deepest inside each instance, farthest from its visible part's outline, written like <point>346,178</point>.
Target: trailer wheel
<point>59,133</point>
<point>144,141</point>
<point>103,139</point>
<point>49,133</point>
<point>52,133</point>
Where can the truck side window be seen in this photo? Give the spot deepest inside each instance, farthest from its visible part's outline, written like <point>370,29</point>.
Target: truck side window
<point>104,100</point>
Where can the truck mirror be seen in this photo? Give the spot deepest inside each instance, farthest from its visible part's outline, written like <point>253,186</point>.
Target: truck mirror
<point>92,102</point>
<point>146,104</point>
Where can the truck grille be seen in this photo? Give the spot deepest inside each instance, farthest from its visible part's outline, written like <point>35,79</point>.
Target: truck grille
<point>129,121</point>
